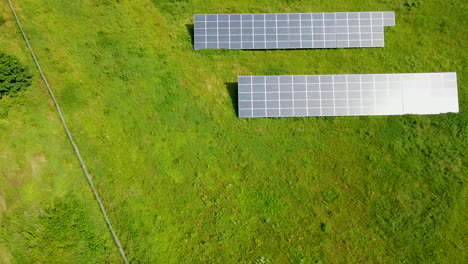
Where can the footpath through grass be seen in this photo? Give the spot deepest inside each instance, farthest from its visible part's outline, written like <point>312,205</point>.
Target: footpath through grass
<point>186,181</point>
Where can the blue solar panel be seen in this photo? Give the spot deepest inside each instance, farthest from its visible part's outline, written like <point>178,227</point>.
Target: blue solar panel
<point>291,31</point>
<point>347,95</point>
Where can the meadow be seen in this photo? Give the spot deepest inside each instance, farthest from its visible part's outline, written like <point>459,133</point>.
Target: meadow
<point>185,180</point>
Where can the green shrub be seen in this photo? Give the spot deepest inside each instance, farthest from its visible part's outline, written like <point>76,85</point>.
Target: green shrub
<point>2,19</point>
<point>325,227</point>
<point>14,77</point>
<point>412,4</point>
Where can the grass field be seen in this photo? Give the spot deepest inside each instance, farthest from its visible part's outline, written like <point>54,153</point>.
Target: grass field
<point>185,180</point>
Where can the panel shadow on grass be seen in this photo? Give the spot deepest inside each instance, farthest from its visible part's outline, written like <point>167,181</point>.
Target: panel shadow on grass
<point>191,31</point>
<point>231,88</point>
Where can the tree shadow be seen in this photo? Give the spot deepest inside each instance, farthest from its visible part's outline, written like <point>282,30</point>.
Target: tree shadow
<point>231,88</point>
<point>191,31</point>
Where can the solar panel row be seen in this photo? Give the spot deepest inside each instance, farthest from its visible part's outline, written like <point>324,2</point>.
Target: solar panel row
<point>347,95</point>
<point>291,31</point>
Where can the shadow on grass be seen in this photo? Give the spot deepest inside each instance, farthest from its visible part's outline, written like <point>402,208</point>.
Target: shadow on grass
<point>191,31</point>
<point>231,87</point>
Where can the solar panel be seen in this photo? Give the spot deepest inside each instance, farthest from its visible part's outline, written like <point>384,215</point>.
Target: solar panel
<point>347,95</point>
<point>291,31</point>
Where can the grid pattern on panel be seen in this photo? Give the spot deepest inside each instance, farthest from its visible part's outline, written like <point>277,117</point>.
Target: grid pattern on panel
<point>291,31</point>
<point>347,95</point>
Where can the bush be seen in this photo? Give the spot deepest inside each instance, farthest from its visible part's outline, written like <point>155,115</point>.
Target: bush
<point>325,227</point>
<point>14,77</point>
<point>2,19</point>
<point>412,4</point>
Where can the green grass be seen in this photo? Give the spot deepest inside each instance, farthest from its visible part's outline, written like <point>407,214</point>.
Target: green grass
<point>186,181</point>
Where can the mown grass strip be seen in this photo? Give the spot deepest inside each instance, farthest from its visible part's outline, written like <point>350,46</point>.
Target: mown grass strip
<point>70,137</point>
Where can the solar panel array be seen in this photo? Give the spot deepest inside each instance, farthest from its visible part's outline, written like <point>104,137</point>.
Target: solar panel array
<point>292,31</point>
<point>347,95</point>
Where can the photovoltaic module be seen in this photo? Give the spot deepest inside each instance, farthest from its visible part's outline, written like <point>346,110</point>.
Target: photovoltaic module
<point>347,95</point>
<point>291,31</point>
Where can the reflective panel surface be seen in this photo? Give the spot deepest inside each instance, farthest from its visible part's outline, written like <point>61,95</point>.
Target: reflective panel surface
<point>291,31</point>
<point>347,95</point>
